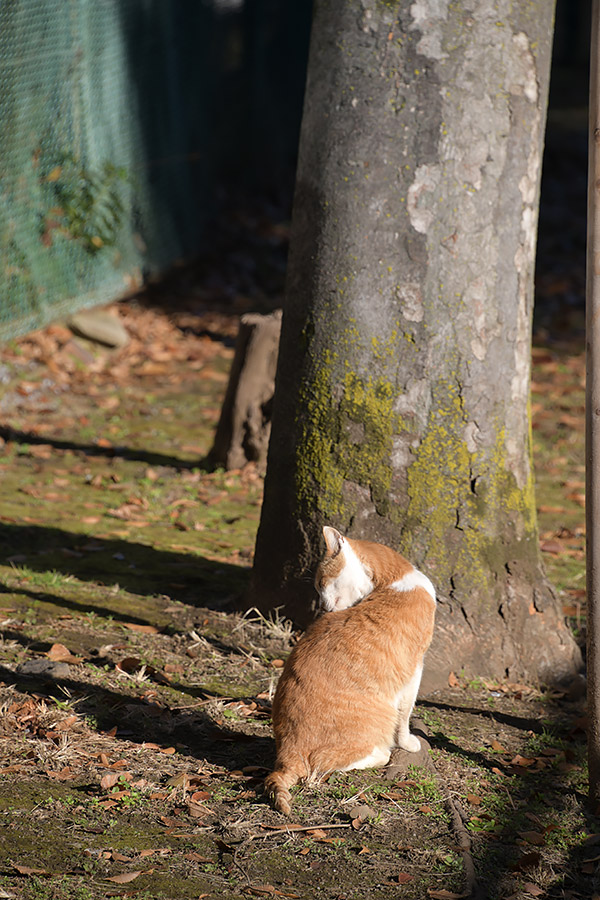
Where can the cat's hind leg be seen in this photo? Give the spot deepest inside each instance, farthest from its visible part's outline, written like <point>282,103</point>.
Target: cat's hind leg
<point>405,701</point>
<point>379,756</point>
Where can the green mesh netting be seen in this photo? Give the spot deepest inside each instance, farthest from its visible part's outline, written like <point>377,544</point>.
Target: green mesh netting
<point>101,175</point>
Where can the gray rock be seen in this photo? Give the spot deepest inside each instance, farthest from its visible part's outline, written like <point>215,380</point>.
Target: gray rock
<point>43,667</point>
<point>100,326</point>
<point>400,760</point>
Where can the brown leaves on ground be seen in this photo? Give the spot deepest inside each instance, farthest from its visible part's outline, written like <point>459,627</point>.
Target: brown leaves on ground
<point>166,769</point>
<point>267,890</point>
<point>35,716</point>
<point>156,343</point>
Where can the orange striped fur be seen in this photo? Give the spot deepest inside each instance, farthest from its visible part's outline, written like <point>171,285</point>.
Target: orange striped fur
<point>348,688</point>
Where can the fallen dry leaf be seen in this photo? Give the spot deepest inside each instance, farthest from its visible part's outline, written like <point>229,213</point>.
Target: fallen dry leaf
<point>533,837</point>
<point>527,861</point>
<point>26,870</point>
<point>551,547</point>
<point>198,811</point>
<point>144,629</point>
<point>182,779</point>
<point>171,822</point>
<point>444,895</point>
<point>129,664</point>
<point>404,878</point>
<point>65,774</point>
<point>109,780</point>
<point>196,857</point>
<point>124,878</point>
<point>524,761</point>
<point>65,724</point>
<point>60,653</point>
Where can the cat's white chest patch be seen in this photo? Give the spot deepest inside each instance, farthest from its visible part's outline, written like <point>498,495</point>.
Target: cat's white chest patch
<point>413,580</point>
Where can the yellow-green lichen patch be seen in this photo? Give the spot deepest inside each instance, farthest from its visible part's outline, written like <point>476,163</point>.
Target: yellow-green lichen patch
<point>466,512</point>
<point>369,404</point>
<point>438,475</point>
<point>347,437</point>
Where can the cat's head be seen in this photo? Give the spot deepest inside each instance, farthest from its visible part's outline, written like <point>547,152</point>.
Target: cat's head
<point>342,578</point>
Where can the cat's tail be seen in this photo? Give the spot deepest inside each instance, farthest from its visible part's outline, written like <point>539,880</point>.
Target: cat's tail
<point>277,786</point>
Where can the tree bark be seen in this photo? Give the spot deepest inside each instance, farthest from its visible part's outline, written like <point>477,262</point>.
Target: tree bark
<point>244,427</point>
<point>401,405</point>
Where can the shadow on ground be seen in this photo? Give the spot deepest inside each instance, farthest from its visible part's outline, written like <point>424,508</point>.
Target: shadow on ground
<point>132,566</point>
<point>140,719</point>
<point>145,456</point>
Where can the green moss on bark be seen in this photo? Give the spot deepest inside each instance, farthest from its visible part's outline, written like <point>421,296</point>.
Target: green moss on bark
<point>346,437</point>
<point>467,508</point>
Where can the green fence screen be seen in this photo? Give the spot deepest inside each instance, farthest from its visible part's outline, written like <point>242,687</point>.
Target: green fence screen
<point>115,116</point>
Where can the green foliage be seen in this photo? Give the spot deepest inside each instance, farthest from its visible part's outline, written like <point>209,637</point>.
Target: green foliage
<point>86,204</point>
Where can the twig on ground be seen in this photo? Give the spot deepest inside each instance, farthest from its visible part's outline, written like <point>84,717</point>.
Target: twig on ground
<point>283,829</point>
<point>464,844</point>
<point>457,818</point>
<point>237,863</point>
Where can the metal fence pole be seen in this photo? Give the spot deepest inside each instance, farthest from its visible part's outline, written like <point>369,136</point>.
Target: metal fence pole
<point>593,416</point>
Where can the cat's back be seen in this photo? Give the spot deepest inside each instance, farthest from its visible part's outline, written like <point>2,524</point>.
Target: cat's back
<point>384,636</point>
<point>386,565</point>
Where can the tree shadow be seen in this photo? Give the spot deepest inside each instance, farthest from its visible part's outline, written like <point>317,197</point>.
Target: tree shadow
<point>147,720</point>
<point>67,603</point>
<point>526,724</point>
<point>145,456</point>
<point>135,567</point>
<point>518,815</point>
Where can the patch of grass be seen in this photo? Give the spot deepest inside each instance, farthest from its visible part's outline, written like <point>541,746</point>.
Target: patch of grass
<point>272,625</point>
<point>425,787</point>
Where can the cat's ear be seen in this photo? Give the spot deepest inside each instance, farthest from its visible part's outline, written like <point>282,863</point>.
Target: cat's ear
<point>333,539</point>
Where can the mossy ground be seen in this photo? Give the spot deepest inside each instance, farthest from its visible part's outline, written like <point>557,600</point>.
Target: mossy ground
<point>145,753</point>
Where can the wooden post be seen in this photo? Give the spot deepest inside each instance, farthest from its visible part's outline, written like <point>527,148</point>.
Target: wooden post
<point>245,424</point>
<point>593,417</point>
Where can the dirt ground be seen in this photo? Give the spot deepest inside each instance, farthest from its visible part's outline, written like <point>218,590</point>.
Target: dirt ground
<point>135,689</point>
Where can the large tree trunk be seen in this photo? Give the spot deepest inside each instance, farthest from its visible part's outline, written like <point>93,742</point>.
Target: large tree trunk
<point>401,406</point>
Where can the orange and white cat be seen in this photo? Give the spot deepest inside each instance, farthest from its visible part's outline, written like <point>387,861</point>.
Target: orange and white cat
<point>348,688</point>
